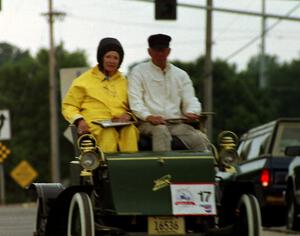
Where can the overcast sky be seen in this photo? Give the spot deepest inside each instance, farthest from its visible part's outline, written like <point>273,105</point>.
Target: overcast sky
<point>87,21</point>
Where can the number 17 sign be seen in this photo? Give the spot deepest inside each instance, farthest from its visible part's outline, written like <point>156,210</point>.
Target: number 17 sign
<point>193,199</point>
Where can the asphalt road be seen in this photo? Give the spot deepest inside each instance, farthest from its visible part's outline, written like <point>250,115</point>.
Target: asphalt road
<point>279,232</point>
<point>19,220</point>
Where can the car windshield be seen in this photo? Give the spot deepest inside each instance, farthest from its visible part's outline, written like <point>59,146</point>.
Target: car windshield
<point>288,135</point>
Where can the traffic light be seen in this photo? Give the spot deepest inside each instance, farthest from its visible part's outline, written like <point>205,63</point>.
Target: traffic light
<point>165,9</point>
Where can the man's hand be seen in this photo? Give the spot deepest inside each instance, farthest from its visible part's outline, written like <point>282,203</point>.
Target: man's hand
<point>191,116</point>
<point>156,120</point>
<point>123,118</point>
<point>82,127</point>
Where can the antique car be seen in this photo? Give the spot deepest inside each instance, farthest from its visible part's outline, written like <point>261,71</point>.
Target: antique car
<point>262,166</point>
<point>292,195</point>
<point>155,193</point>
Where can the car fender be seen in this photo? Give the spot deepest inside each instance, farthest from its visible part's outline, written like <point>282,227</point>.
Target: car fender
<point>55,201</point>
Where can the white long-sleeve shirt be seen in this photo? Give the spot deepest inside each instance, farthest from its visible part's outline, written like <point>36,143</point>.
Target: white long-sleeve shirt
<point>167,93</point>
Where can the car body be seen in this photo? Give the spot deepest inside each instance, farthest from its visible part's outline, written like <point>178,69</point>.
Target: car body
<point>155,193</point>
<point>262,165</point>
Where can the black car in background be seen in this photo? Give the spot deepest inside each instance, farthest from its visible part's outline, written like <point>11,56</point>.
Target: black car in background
<point>262,166</point>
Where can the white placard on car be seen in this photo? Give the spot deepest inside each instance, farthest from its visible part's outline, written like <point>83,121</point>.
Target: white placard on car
<point>193,198</point>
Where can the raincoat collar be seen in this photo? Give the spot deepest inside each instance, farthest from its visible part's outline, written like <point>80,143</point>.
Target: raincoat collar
<point>103,77</point>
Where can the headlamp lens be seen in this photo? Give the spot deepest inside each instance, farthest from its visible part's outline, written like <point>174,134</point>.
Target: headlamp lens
<point>89,160</point>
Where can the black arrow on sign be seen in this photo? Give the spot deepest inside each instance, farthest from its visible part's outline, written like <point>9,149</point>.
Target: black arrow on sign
<point>2,119</point>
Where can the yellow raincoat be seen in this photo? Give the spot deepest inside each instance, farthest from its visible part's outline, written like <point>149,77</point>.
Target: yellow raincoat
<point>93,97</point>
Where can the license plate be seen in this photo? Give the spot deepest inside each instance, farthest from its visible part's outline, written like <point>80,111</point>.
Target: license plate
<point>166,225</point>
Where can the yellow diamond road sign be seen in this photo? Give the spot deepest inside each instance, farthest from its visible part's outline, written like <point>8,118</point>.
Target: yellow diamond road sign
<point>23,174</point>
<point>4,152</point>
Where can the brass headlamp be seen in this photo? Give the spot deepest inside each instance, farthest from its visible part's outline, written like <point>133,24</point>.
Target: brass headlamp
<point>91,157</point>
<point>227,147</point>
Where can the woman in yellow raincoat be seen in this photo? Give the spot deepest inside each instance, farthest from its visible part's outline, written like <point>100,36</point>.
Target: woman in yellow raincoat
<point>101,94</point>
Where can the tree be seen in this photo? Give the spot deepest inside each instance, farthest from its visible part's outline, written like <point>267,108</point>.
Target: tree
<point>285,88</point>
<point>10,54</point>
<point>238,102</point>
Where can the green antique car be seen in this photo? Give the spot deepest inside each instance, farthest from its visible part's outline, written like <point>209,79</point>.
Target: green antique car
<point>154,193</point>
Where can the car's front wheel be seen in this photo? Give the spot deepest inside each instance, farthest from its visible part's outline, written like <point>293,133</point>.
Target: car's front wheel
<point>81,216</point>
<point>293,221</point>
<point>248,217</point>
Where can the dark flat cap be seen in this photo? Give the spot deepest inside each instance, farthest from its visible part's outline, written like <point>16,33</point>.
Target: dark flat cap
<point>159,41</point>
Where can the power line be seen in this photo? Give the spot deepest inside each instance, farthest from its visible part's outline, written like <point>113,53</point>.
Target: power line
<point>134,23</point>
<point>232,22</point>
<point>225,10</point>
<point>259,36</point>
<point>218,9</point>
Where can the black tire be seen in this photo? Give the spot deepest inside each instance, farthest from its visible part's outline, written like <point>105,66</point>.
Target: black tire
<point>248,222</point>
<point>41,220</point>
<point>81,216</point>
<point>293,220</point>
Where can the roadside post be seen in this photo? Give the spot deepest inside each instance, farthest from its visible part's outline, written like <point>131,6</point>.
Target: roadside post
<point>4,151</point>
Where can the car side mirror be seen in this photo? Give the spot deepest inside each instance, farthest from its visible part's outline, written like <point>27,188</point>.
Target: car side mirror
<point>292,151</point>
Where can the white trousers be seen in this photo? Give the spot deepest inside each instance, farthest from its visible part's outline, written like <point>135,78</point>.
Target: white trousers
<point>162,136</point>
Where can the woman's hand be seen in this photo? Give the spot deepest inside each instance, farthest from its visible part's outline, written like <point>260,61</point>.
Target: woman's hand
<point>123,118</point>
<point>82,127</point>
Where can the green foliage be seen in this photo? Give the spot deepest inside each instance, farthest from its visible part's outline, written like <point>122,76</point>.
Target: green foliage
<point>195,71</point>
<point>238,101</point>
<point>284,85</point>
<point>11,54</point>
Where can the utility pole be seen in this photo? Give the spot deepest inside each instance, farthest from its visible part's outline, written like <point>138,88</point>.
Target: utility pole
<point>262,67</point>
<point>2,184</point>
<point>207,74</point>
<point>53,101</point>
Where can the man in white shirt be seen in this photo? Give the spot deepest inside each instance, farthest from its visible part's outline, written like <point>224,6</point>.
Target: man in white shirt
<point>161,95</point>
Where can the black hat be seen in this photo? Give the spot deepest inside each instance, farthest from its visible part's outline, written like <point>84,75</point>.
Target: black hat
<point>106,45</point>
<point>159,41</point>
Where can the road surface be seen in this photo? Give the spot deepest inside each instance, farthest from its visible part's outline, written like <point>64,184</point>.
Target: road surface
<point>17,220</point>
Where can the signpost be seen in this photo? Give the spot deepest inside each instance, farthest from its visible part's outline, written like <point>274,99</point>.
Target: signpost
<point>4,152</point>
